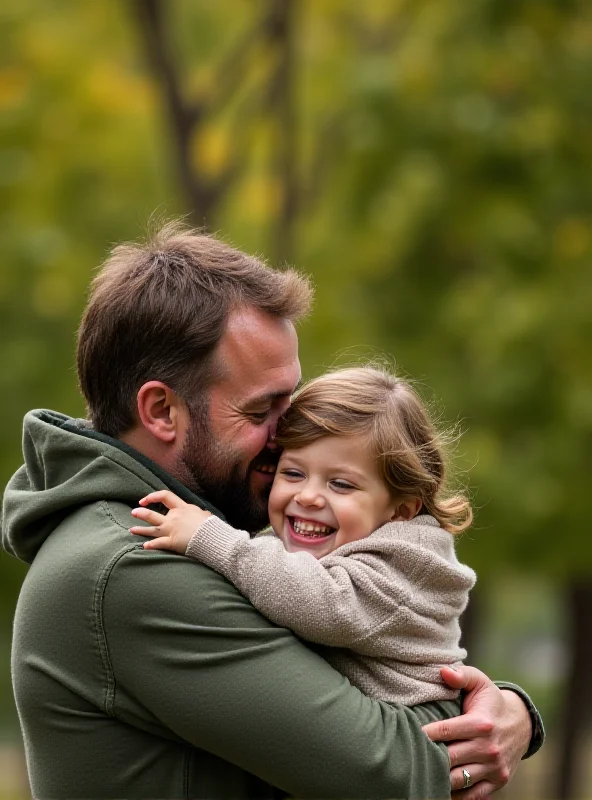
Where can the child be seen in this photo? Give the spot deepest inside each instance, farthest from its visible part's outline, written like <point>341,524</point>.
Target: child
<point>362,561</point>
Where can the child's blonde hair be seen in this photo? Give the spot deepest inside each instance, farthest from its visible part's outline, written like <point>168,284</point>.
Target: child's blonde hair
<point>390,415</point>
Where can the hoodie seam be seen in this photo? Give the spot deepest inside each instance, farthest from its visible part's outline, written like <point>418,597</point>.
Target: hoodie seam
<point>105,506</point>
<point>101,633</point>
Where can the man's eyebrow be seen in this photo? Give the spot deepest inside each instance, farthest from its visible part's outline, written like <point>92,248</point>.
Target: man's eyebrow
<point>271,396</point>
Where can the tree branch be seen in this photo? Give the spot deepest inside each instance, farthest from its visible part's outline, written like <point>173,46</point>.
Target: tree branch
<point>233,67</point>
<point>281,37</point>
<point>186,117</point>
<point>183,117</point>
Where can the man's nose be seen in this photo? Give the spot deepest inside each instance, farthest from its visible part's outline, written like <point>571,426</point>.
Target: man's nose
<point>271,443</point>
<point>280,406</point>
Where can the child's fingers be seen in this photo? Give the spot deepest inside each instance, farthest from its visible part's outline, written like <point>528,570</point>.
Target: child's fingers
<point>163,543</point>
<point>144,530</point>
<point>168,499</point>
<point>153,517</point>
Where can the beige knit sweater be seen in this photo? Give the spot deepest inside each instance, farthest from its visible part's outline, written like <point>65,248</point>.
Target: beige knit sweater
<point>385,608</point>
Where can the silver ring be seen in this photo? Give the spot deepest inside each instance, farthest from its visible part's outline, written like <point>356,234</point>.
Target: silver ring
<point>466,778</point>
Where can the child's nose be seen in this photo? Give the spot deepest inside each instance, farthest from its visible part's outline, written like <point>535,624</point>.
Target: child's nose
<point>308,496</point>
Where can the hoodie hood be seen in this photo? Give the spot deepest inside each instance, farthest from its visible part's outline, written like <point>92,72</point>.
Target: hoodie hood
<point>68,465</point>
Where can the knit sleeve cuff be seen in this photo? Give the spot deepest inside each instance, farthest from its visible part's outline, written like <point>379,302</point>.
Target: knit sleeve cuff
<point>214,542</point>
<point>538,728</point>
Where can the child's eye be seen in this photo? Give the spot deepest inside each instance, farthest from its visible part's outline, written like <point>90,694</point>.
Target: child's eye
<point>291,473</point>
<point>342,485</point>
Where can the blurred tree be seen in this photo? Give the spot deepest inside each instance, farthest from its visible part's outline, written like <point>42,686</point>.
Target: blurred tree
<point>190,120</point>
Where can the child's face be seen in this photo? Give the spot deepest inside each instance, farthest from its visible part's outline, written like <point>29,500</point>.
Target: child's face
<point>327,494</point>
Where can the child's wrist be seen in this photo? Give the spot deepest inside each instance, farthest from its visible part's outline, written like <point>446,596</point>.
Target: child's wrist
<point>195,535</point>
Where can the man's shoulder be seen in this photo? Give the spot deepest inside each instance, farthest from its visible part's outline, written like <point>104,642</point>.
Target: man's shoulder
<point>106,546</point>
<point>93,560</point>
<point>170,589</point>
<point>90,534</point>
<point>93,544</point>
<point>164,585</point>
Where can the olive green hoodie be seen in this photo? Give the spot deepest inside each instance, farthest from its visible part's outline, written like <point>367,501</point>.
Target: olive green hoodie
<point>140,674</point>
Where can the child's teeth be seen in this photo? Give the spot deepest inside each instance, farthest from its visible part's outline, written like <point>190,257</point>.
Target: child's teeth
<point>310,529</point>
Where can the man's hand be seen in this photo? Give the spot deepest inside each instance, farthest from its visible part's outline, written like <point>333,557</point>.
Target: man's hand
<point>488,740</point>
<point>173,531</point>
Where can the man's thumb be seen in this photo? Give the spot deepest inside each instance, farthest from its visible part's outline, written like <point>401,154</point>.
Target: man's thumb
<point>454,676</point>
<point>463,677</point>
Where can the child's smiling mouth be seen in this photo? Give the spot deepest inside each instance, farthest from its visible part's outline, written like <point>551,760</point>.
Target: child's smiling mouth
<point>308,530</point>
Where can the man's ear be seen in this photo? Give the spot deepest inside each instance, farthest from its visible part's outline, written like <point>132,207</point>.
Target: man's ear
<point>160,411</point>
<point>406,508</point>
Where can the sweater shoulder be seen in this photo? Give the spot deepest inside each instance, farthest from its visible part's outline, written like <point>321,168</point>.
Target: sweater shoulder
<point>418,553</point>
<point>394,537</point>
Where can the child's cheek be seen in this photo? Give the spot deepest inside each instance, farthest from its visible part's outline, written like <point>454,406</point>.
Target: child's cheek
<point>276,508</point>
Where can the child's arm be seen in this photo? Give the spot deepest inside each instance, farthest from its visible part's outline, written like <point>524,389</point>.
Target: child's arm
<point>291,589</point>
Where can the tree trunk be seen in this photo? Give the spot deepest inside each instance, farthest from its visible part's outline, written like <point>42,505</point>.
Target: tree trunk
<point>152,18</point>
<point>281,34</point>
<point>577,706</point>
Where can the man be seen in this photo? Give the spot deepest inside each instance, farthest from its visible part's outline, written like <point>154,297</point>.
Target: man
<point>187,356</point>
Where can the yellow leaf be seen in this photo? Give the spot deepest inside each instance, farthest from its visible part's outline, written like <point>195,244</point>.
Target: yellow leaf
<point>114,89</point>
<point>260,197</point>
<point>572,237</point>
<point>14,84</point>
<point>210,149</point>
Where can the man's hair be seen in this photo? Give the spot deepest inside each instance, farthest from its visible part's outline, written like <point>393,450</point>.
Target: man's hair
<point>389,414</point>
<point>157,311</point>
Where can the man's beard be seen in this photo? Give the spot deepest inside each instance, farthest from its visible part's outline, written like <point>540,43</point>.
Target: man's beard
<point>212,471</point>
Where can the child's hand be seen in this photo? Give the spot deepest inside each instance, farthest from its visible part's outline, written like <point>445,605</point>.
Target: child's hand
<point>173,531</point>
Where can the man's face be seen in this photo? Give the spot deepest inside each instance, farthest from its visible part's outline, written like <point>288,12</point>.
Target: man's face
<point>229,449</point>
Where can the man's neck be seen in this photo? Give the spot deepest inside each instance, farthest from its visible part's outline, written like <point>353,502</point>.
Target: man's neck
<point>151,449</point>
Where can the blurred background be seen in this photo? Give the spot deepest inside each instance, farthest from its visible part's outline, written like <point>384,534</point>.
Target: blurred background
<point>429,163</point>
